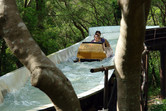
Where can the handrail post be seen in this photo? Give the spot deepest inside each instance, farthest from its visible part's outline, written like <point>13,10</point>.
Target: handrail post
<point>105,95</point>
<point>105,103</point>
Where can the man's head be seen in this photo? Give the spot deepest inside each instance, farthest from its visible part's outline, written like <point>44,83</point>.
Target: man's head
<point>98,33</point>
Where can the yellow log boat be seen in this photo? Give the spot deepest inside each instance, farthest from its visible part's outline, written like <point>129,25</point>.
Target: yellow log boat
<point>92,51</point>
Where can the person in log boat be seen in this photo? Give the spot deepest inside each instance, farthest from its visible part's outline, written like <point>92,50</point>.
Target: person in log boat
<point>97,51</point>
<point>106,45</point>
<point>105,41</point>
<point>97,39</point>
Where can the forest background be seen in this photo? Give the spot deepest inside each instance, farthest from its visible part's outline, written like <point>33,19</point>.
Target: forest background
<point>57,24</point>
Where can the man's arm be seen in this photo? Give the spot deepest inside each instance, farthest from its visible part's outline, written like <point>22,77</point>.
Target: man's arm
<point>107,43</point>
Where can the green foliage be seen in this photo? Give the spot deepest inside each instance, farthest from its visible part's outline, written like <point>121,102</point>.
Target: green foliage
<point>158,106</point>
<point>157,14</point>
<point>153,91</point>
<point>8,62</point>
<point>56,24</point>
<point>154,69</point>
<point>29,17</point>
<point>154,82</point>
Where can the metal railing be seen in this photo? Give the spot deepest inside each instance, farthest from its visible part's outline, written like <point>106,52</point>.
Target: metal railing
<point>105,69</point>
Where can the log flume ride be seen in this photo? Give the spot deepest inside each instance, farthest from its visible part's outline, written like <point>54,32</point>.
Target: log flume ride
<point>98,97</point>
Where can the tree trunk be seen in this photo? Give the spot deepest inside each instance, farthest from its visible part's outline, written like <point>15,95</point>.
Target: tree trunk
<point>18,64</point>
<point>153,17</point>
<point>44,74</point>
<point>83,26</point>
<point>25,3</point>
<point>128,53</point>
<point>2,58</point>
<point>40,9</point>
<point>80,28</point>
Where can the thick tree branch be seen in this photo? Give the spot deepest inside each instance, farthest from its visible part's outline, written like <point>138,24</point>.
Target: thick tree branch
<point>44,74</point>
<point>80,28</point>
<point>147,8</point>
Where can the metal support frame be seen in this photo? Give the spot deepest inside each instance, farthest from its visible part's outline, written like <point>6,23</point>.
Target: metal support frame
<point>155,39</point>
<point>105,100</point>
<point>162,73</point>
<point>105,69</point>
